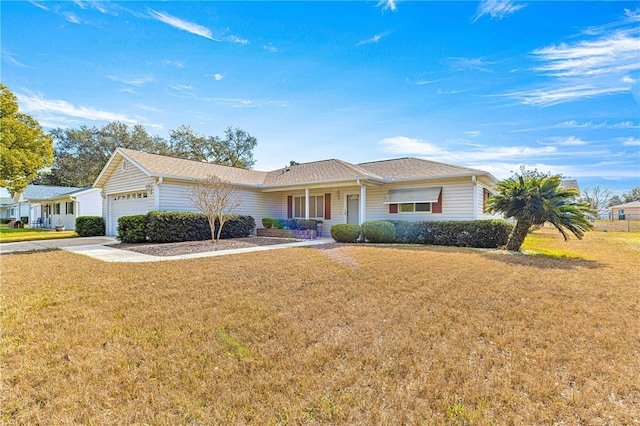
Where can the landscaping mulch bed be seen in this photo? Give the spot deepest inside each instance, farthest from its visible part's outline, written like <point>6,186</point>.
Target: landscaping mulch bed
<point>188,247</point>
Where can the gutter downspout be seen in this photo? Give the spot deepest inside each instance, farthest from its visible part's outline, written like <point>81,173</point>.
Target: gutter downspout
<point>157,192</point>
<point>474,179</point>
<point>363,202</point>
<point>306,203</point>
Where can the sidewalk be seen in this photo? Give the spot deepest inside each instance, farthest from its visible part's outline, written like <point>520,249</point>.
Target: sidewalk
<point>105,249</point>
<point>56,243</point>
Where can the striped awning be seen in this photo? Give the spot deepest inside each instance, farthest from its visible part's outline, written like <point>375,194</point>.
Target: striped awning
<point>413,195</point>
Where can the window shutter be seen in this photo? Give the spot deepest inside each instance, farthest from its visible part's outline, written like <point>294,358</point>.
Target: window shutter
<point>393,208</point>
<point>437,207</point>
<point>327,206</point>
<point>289,207</point>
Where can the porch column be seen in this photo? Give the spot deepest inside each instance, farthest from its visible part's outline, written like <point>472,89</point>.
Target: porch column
<point>306,203</point>
<point>475,196</point>
<point>363,204</point>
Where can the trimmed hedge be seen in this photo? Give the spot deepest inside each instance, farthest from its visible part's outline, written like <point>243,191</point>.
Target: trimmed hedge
<point>132,229</point>
<point>5,220</point>
<point>173,227</point>
<point>345,233</point>
<point>469,233</point>
<point>267,222</point>
<point>90,226</point>
<point>291,224</point>
<point>379,231</point>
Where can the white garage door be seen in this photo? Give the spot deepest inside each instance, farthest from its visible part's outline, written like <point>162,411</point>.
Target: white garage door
<point>126,205</point>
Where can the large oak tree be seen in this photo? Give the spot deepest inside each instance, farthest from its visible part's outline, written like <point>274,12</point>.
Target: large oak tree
<point>24,147</point>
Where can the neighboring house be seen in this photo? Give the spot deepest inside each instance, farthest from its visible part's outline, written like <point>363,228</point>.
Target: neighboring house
<point>48,206</point>
<point>626,211</point>
<point>5,203</point>
<point>332,191</point>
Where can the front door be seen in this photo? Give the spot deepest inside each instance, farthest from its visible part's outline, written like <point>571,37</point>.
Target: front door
<point>353,209</point>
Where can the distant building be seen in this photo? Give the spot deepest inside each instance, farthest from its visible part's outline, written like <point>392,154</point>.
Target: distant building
<point>626,211</point>
<point>570,183</point>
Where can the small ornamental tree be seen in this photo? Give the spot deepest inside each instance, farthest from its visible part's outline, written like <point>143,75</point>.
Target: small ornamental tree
<point>533,199</point>
<point>216,198</point>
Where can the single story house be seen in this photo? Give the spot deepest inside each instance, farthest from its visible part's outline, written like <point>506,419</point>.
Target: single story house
<point>626,211</point>
<point>5,203</point>
<point>50,206</point>
<point>333,191</point>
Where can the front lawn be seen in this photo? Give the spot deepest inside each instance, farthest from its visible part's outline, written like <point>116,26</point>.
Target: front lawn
<point>352,334</point>
<point>12,235</point>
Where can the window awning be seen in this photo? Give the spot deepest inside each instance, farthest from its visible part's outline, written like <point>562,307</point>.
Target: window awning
<point>413,195</point>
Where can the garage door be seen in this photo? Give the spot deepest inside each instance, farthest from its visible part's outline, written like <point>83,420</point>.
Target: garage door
<point>126,205</point>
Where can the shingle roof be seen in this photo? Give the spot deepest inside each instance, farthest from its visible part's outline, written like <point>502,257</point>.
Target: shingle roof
<point>414,168</point>
<point>160,165</point>
<point>43,192</point>
<point>627,205</point>
<point>569,183</point>
<point>318,171</point>
<point>313,172</point>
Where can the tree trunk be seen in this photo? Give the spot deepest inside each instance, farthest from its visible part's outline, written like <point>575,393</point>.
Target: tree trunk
<point>519,234</point>
<point>212,225</point>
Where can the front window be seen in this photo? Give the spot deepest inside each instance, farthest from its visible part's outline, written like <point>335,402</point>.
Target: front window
<point>70,207</point>
<point>415,207</point>
<point>316,207</point>
<point>56,208</point>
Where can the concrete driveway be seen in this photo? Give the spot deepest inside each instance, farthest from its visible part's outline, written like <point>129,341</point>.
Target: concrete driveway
<point>59,243</point>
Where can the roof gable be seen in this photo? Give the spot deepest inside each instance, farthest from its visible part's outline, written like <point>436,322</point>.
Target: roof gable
<point>317,171</point>
<point>630,205</point>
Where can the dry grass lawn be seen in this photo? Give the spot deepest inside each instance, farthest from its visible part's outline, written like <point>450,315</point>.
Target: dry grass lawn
<point>346,335</point>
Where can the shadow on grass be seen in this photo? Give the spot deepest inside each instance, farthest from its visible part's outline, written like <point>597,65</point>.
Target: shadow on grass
<point>512,258</point>
<point>542,261</point>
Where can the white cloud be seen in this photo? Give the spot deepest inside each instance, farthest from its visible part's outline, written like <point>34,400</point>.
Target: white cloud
<point>631,141</point>
<point>181,24</point>
<point>401,145</point>
<point>271,48</point>
<point>182,90</point>
<point>73,18</point>
<point>216,77</point>
<point>14,61</point>
<point>388,5</point>
<point>36,105</point>
<point>562,141</point>
<point>473,133</point>
<point>38,5</point>
<point>498,9</point>
<point>376,38</point>
<point>466,64</point>
<point>140,81</point>
<point>603,61</point>
<point>553,95</point>
<point>129,90</point>
<point>148,108</point>
<point>423,82</point>
<point>236,39</point>
<point>177,64</point>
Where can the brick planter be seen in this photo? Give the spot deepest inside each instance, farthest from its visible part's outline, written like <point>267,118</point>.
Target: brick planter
<point>306,234</point>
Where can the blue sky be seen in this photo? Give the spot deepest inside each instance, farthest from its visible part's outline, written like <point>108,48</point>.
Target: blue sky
<point>490,84</point>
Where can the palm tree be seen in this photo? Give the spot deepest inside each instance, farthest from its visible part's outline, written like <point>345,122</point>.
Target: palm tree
<point>534,199</point>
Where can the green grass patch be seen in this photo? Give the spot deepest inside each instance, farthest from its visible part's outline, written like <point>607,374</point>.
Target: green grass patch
<point>237,349</point>
<point>12,235</point>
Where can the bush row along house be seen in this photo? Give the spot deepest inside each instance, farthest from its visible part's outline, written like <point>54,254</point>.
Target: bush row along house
<point>331,191</point>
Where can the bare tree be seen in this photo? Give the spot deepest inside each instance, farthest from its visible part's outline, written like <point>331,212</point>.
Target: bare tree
<point>216,198</point>
<point>597,196</point>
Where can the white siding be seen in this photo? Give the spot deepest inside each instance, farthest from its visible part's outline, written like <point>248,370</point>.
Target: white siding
<point>480,192</point>
<point>129,180</point>
<point>457,201</point>
<point>254,202</point>
<point>89,204</point>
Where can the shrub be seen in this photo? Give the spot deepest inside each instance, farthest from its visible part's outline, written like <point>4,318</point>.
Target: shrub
<point>291,224</point>
<point>5,221</point>
<point>267,222</point>
<point>345,233</point>
<point>471,233</point>
<point>379,231</point>
<point>24,219</point>
<point>132,229</point>
<point>172,226</point>
<point>90,226</point>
